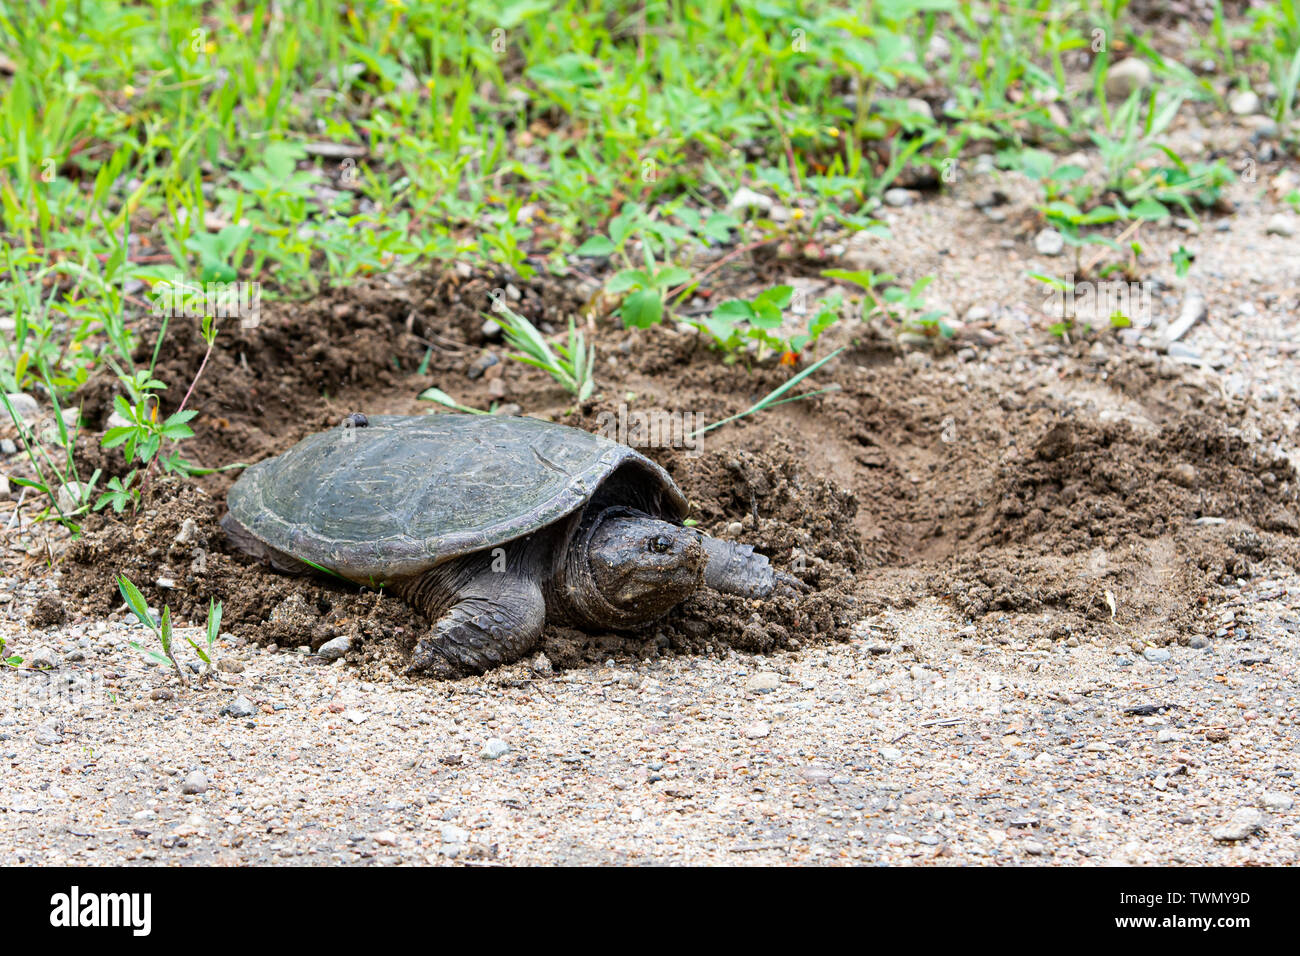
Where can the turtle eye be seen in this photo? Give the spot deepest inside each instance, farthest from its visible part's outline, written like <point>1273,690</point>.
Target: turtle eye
<point>660,544</point>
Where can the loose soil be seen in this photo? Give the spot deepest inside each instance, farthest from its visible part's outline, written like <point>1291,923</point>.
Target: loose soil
<point>1114,490</point>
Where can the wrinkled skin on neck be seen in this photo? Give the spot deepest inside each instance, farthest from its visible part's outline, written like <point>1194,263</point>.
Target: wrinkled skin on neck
<point>625,568</point>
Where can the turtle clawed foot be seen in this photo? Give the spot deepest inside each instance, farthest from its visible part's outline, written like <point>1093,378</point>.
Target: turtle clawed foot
<point>428,661</point>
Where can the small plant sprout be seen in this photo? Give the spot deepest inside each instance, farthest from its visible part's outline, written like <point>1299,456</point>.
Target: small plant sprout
<point>12,660</point>
<point>143,435</point>
<point>1065,321</point>
<point>649,287</point>
<point>435,394</point>
<point>775,397</point>
<point>57,477</point>
<point>738,321</point>
<point>570,365</point>
<point>165,634</point>
<point>211,632</point>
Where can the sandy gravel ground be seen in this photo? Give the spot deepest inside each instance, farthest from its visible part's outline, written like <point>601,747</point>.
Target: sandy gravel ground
<point>917,742</point>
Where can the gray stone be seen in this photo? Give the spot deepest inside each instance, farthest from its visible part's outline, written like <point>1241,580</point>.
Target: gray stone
<point>333,650</point>
<point>1049,242</point>
<point>1242,824</point>
<point>494,749</point>
<point>189,531</point>
<point>239,707</point>
<point>1183,352</point>
<point>745,199</point>
<point>1276,800</point>
<point>482,364</point>
<point>49,734</point>
<point>24,406</point>
<point>918,105</point>
<point>195,783</point>
<point>453,834</point>
<point>1243,102</point>
<point>43,657</point>
<point>1281,224</point>
<point>1156,655</point>
<point>763,683</point>
<point>1126,76</point>
<point>73,495</point>
<point>898,197</point>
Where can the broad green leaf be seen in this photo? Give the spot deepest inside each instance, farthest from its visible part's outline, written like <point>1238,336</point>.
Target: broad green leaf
<point>642,309</point>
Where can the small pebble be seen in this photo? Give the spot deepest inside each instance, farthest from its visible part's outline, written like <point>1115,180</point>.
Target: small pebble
<point>333,650</point>
<point>239,707</point>
<point>1276,801</point>
<point>48,734</point>
<point>763,683</point>
<point>745,199</point>
<point>1049,242</point>
<point>1243,102</point>
<point>43,658</point>
<point>1240,826</point>
<point>1127,76</point>
<point>1281,224</point>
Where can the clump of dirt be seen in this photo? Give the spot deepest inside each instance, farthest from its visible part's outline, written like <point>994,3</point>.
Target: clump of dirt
<point>175,551</point>
<point>48,612</point>
<point>299,367</point>
<point>1154,518</point>
<point>1115,496</point>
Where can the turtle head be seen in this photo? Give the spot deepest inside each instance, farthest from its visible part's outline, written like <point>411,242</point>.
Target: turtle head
<point>638,566</point>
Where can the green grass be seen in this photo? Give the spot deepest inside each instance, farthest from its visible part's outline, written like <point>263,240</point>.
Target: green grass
<point>146,141</point>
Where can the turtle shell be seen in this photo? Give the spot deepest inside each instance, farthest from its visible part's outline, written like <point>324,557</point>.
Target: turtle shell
<point>400,494</point>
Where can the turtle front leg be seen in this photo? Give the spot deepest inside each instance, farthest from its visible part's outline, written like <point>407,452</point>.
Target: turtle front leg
<point>736,568</point>
<point>492,619</point>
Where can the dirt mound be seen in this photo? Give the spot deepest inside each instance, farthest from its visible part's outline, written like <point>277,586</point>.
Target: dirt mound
<point>304,365</point>
<point>1116,493</point>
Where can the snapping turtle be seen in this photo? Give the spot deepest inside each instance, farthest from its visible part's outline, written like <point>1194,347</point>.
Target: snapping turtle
<point>490,525</point>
